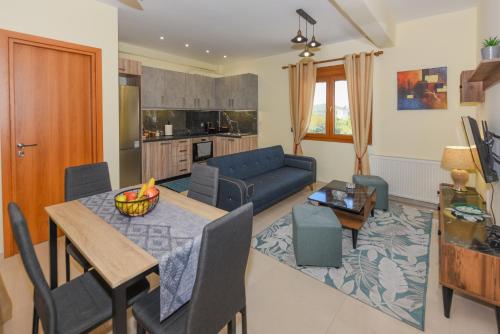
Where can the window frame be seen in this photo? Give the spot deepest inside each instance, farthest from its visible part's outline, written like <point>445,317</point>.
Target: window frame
<point>330,74</point>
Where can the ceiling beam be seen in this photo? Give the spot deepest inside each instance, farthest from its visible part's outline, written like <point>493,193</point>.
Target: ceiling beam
<point>371,18</point>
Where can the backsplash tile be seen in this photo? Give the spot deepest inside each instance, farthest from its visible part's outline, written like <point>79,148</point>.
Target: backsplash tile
<point>182,120</point>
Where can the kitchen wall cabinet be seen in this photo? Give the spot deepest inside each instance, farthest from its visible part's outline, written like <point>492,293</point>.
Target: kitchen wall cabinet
<point>175,89</point>
<point>152,87</point>
<point>200,92</point>
<point>130,67</point>
<point>237,92</point>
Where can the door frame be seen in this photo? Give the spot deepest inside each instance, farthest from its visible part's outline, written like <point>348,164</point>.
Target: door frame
<point>7,144</point>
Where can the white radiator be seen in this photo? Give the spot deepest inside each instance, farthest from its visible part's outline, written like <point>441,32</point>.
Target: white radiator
<point>410,178</point>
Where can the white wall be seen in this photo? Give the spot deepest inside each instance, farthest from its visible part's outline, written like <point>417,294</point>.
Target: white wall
<point>444,40</point>
<point>158,59</point>
<point>85,22</point>
<point>489,25</point>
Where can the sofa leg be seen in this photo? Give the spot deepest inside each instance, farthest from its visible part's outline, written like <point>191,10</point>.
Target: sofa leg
<point>311,187</point>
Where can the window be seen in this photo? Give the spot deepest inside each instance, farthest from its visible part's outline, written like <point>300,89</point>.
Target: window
<point>330,118</point>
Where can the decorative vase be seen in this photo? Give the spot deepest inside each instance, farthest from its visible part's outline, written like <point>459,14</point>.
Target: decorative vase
<point>490,52</point>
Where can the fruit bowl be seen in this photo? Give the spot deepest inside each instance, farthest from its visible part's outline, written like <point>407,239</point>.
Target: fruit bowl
<point>139,206</point>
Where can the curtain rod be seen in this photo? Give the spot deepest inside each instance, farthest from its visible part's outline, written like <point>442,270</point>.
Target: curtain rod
<point>376,53</point>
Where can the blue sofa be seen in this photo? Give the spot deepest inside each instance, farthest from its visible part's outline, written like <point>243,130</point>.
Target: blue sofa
<point>263,176</point>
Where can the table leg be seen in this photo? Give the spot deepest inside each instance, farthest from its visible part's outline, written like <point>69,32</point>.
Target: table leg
<point>447,298</point>
<point>354,238</point>
<point>119,296</point>
<point>53,254</point>
<point>497,311</point>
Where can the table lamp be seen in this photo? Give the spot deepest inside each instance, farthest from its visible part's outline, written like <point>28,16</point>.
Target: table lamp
<point>459,160</point>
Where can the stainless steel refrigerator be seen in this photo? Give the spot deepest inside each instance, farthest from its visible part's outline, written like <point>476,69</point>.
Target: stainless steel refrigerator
<point>130,136</point>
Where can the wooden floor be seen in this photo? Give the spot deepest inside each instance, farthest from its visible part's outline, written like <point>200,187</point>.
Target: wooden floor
<point>283,300</point>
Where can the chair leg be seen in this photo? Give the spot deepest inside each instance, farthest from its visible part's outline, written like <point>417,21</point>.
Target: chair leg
<point>35,321</point>
<point>68,269</point>
<point>140,330</point>
<point>244,320</point>
<point>231,326</point>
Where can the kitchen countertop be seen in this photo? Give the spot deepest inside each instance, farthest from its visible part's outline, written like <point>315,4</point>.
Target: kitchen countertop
<point>186,136</point>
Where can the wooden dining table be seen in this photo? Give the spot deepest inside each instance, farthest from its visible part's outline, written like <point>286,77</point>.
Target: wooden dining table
<point>117,259</point>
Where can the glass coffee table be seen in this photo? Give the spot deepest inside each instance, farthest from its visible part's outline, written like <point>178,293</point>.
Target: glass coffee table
<point>353,207</point>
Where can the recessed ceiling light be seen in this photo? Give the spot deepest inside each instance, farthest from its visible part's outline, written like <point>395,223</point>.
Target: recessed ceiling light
<point>225,56</point>
<point>207,51</point>
<point>186,45</point>
<point>162,37</point>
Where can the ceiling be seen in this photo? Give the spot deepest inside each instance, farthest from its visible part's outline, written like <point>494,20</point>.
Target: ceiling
<point>243,29</point>
<point>406,10</point>
<point>240,29</point>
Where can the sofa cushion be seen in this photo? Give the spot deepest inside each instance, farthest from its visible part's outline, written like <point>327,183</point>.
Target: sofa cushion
<point>249,164</point>
<point>271,185</point>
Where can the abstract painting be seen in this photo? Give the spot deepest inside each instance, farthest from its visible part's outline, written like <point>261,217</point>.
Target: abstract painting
<point>423,89</point>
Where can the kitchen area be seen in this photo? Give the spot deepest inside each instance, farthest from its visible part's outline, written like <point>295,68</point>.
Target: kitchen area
<point>170,120</point>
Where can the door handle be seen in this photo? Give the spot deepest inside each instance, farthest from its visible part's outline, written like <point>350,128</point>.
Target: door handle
<point>21,146</point>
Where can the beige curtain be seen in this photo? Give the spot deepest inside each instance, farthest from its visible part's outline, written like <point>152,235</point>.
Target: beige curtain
<point>359,74</point>
<point>302,81</point>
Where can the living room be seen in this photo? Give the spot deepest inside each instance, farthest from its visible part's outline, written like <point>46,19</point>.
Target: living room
<point>336,156</point>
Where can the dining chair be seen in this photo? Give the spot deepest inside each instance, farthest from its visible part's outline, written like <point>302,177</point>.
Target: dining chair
<point>77,306</point>
<point>82,181</point>
<point>204,184</point>
<point>219,288</point>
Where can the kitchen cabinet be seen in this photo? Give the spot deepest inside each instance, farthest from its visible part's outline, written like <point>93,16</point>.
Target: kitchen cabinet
<point>165,159</point>
<point>130,67</point>
<point>152,87</point>
<point>232,145</point>
<point>174,95</point>
<point>156,158</point>
<point>200,92</point>
<point>238,92</point>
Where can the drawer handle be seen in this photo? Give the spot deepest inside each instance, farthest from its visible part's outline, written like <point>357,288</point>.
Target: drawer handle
<point>182,150</point>
<point>182,170</point>
<point>183,160</point>
<point>182,141</point>
<point>167,143</point>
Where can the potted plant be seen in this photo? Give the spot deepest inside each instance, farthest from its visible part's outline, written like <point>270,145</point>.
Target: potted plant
<point>491,48</point>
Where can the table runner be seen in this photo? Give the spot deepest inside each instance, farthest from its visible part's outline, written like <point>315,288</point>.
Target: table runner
<point>169,233</point>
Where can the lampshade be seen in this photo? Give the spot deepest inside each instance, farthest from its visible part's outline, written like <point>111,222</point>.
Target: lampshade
<point>306,53</point>
<point>313,43</point>
<point>299,38</point>
<point>457,157</point>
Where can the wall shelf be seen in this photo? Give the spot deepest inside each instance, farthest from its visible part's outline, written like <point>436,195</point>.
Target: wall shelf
<point>487,72</point>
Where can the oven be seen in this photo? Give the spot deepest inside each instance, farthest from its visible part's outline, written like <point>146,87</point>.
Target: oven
<point>203,149</point>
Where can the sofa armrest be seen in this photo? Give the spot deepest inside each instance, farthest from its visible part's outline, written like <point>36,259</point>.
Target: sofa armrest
<point>233,193</point>
<point>297,161</point>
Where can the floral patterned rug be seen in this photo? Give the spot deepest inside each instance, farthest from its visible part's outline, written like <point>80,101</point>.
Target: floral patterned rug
<point>387,271</point>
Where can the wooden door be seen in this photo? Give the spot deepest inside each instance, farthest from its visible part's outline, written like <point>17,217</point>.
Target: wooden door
<point>50,99</point>
<point>248,143</point>
<point>156,160</point>
<point>152,87</point>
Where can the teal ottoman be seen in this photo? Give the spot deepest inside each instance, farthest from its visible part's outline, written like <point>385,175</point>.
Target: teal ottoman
<point>381,186</point>
<point>317,236</point>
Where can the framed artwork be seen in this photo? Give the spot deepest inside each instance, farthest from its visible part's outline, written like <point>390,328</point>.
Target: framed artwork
<point>423,89</point>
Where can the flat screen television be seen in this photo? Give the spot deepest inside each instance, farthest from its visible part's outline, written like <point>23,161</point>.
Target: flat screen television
<point>480,149</point>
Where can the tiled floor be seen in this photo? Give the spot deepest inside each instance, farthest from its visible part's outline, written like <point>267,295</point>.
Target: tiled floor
<point>283,300</point>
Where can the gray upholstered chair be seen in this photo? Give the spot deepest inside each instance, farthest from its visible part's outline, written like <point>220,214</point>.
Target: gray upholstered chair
<point>219,288</point>
<point>204,184</point>
<point>82,181</point>
<point>75,307</point>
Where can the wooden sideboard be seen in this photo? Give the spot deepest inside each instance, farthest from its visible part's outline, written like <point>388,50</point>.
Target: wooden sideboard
<point>469,252</point>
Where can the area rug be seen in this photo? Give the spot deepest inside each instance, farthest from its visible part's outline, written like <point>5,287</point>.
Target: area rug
<point>179,185</point>
<point>387,271</point>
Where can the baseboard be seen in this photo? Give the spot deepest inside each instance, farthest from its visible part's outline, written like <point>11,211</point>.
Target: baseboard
<point>413,202</point>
